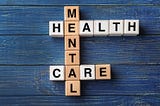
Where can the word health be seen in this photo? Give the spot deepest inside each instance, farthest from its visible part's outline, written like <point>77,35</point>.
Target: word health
<point>91,28</point>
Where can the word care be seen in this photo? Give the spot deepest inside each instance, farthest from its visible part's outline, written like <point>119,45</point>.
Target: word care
<point>82,72</point>
<point>94,28</point>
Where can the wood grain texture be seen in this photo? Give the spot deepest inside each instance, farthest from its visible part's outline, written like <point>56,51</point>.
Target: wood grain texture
<point>34,20</point>
<point>81,101</point>
<point>26,52</point>
<point>77,2</point>
<point>126,80</point>
<point>44,50</point>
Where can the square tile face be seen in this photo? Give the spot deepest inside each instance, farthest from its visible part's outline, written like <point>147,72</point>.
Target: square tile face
<point>72,43</point>
<point>101,28</point>
<point>56,28</point>
<point>72,72</point>
<point>115,27</point>
<point>72,58</point>
<point>103,71</point>
<point>86,28</point>
<point>71,13</point>
<point>131,27</point>
<point>72,28</point>
<point>87,72</point>
<point>72,88</point>
<point>56,73</point>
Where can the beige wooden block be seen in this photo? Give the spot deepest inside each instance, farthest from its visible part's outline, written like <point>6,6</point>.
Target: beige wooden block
<point>72,88</point>
<point>71,28</point>
<point>72,73</point>
<point>72,42</point>
<point>72,57</point>
<point>103,71</point>
<point>71,13</point>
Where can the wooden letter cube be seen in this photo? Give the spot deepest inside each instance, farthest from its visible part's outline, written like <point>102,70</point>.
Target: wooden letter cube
<point>131,27</point>
<point>72,88</point>
<point>72,72</point>
<point>71,13</point>
<point>103,71</point>
<point>72,58</point>
<point>72,43</point>
<point>101,27</point>
<point>57,73</point>
<point>116,27</point>
<point>72,28</point>
<point>86,28</point>
<point>87,72</point>
<point>56,28</point>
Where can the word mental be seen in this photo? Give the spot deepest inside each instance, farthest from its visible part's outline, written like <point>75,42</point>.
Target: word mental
<point>71,29</point>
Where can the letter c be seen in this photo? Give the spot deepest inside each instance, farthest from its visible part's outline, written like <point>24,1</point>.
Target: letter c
<point>56,75</point>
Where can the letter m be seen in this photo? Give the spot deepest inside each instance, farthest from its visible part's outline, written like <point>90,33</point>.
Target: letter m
<point>71,13</point>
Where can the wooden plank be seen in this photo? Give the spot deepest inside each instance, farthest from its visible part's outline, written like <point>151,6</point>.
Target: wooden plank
<point>81,101</point>
<point>44,50</point>
<point>34,19</point>
<point>75,2</point>
<point>126,80</point>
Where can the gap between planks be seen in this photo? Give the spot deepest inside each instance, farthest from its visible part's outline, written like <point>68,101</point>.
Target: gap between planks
<point>148,94</point>
<point>29,35</point>
<point>50,5</point>
<point>132,64</point>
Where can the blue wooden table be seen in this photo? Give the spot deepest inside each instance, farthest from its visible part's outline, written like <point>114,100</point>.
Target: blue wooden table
<point>26,52</point>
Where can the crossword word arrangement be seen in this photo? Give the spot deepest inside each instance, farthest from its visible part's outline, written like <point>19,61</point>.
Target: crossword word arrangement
<point>71,29</point>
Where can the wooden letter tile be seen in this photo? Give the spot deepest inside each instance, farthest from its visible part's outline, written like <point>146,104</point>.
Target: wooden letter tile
<point>56,28</point>
<point>72,43</point>
<point>72,88</point>
<point>86,28</point>
<point>103,71</point>
<point>131,27</point>
<point>72,28</point>
<point>101,28</point>
<point>72,58</point>
<point>71,13</point>
<point>72,72</point>
<point>57,73</point>
<point>115,27</point>
<point>87,72</point>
